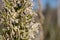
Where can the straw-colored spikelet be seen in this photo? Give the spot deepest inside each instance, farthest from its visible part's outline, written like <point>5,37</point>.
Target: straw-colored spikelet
<point>18,20</point>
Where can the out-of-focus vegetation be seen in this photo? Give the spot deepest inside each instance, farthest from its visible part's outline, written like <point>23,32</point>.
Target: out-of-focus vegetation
<point>50,28</point>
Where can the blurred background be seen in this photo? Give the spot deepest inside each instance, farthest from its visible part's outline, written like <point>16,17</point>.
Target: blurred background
<point>48,8</point>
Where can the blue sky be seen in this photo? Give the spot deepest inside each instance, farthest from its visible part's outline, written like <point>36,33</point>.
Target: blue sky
<point>52,3</point>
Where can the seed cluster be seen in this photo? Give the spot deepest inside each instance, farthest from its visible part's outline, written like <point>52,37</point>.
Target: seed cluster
<point>18,20</point>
